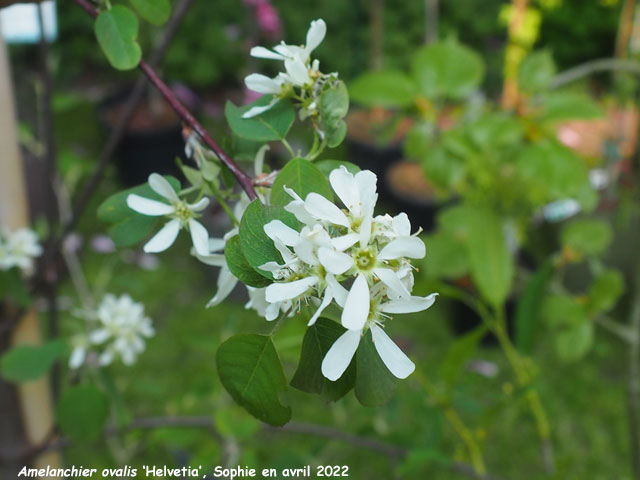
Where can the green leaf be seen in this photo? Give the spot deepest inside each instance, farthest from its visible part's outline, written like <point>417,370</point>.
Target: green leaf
<point>115,209</point>
<point>459,352</point>
<point>13,288</point>
<point>390,89</point>
<point>250,370</point>
<point>605,291</point>
<point>303,177</point>
<point>82,412</point>
<point>529,306</point>
<point>154,11</point>
<point>327,166</point>
<point>447,69</point>
<point>375,384</point>
<point>257,247</point>
<point>536,71</point>
<point>117,31</point>
<point>490,262</point>
<point>587,236</point>
<point>132,230</point>
<point>562,311</point>
<point>240,267</point>
<point>274,124</point>
<point>444,259</point>
<point>317,341</point>
<point>574,343</point>
<point>333,106</point>
<point>563,106</point>
<point>24,363</point>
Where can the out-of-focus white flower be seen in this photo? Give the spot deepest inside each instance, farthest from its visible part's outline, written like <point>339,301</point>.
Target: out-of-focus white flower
<point>284,52</point>
<point>181,214</point>
<point>349,245</point>
<point>118,328</point>
<point>18,248</point>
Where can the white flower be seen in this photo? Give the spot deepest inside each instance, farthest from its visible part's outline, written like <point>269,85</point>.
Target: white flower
<point>120,327</point>
<point>181,214</point>
<point>18,249</point>
<point>300,72</point>
<point>344,348</point>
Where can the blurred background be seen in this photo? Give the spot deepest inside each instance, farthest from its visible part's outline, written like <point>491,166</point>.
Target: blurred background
<point>532,119</point>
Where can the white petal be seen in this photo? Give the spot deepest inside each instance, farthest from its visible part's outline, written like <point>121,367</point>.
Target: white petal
<point>297,71</point>
<point>261,52</point>
<point>337,291</point>
<point>342,183</point>
<point>146,206</point>
<point>278,292</point>
<point>356,308</point>
<point>335,262</point>
<point>199,205</point>
<point>401,225</point>
<point>271,267</point>
<point>163,188</point>
<point>213,259</point>
<point>344,242</point>
<point>77,357</point>
<point>367,181</point>
<point>394,358</point>
<point>226,283</point>
<point>315,34</point>
<point>339,356</point>
<point>98,336</point>
<point>276,229</point>
<point>325,303</point>
<point>391,280</point>
<point>365,226</point>
<point>258,163</point>
<point>262,84</point>
<point>216,244</point>
<point>409,305</point>
<point>321,208</point>
<point>255,111</point>
<point>411,247</point>
<point>164,238</point>
<point>272,311</point>
<point>199,237</point>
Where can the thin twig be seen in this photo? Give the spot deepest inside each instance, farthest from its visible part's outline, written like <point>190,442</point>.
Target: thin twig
<point>245,181</point>
<point>593,66</point>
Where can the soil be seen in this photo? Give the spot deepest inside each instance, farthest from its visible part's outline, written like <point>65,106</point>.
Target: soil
<point>406,179</point>
<point>147,116</point>
<point>377,126</point>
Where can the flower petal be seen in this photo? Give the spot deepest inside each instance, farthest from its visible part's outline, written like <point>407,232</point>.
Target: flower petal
<point>278,292</point>
<point>226,282</point>
<point>391,280</point>
<point>164,238</point>
<point>199,237</point>
<point>261,52</point>
<point>339,356</point>
<point>326,300</point>
<point>342,183</point>
<point>394,358</point>
<point>146,206</point>
<point>276,229</point>
<point>213,259</point>
<point>77,357</point>
<point>401,225</point>
<point>334,262</point>
<point>356,308</point>
<point>216,244</point>
<point>297,71</point>
<point>199,205</point>
<point>408,305</point>
<point>323,209</point>
<point>337,291</point>
<point>255,111</point>
<point>262,84</point>
<point>315,34</point>
<point>344,242</point>
<point>163,188</point>
<point>411,247</point>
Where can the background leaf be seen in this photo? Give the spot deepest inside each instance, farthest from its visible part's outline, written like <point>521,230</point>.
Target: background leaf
<point>154,11</point>
<point>82,412</point>
<point>528,308</point>
<point>303,177</point>
<point>389,89</point>
<point>117,31</point>
<point>24,363</point>
<point>250,370</point>
<point>587,236</point>
<point>536,71</point>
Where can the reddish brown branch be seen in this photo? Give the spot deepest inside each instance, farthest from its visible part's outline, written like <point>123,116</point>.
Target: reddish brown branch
<point>244,180</point>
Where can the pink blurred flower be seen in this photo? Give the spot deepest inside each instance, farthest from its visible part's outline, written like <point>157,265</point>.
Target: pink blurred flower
<point>266,17</point>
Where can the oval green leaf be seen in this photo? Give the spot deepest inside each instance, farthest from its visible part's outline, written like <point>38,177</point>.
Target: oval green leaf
<point>82,412</point>
<point>375,384</point>
<point>117,31</point>
<point>303,177</point>
<point>153,11</point>
<point>274,124</point>
<point>389,89</point>
<point>239,266</point>
<point>24,363</point>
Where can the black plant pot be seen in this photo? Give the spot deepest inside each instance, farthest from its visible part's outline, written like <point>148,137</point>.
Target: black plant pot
<point>377,158</point>
<point>147,148</point>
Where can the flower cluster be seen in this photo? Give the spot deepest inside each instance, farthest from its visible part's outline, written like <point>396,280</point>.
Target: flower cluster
<point>116,329</point>
<point>18,249</point>
<point>301,80</point>
<point>338,247</point>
